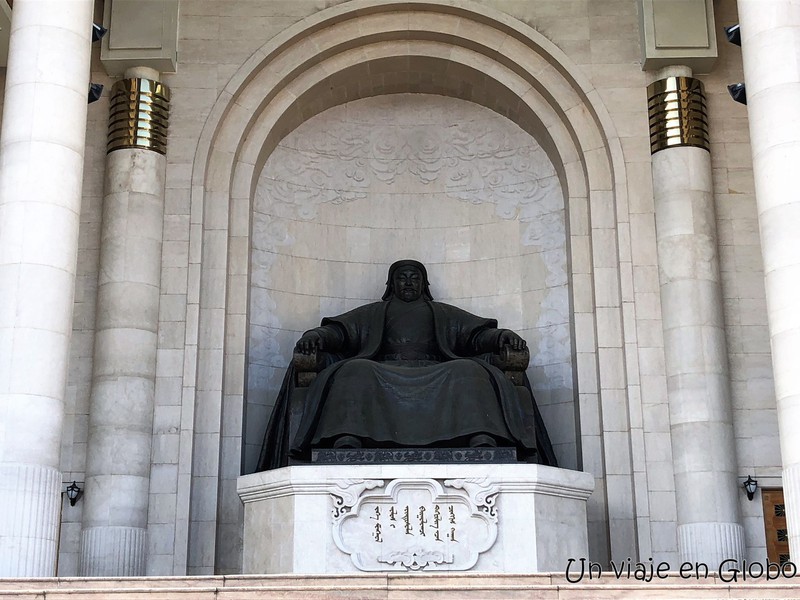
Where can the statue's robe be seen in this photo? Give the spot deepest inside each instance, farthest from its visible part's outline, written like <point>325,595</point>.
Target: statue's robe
<point>438,382</point>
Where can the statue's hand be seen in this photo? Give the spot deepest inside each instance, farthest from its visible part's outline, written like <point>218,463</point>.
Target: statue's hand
<point>509,338</point>
<point>309,343</point>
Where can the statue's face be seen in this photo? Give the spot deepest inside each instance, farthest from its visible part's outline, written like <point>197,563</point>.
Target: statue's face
<point>407,283</point>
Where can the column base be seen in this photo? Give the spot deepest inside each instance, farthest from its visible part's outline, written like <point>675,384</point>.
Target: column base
<point>711,543</point>
<point>113,552</point>
<point>30,497</point>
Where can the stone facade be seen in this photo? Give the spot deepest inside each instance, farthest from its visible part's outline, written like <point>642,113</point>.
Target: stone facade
<point>499,141</point>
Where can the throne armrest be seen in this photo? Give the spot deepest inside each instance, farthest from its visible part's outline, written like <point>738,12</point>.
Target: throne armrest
<point>306,367</point>
<point>512,363</point>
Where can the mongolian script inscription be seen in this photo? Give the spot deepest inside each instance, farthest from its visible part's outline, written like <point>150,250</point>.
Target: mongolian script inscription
<point>416,524</point>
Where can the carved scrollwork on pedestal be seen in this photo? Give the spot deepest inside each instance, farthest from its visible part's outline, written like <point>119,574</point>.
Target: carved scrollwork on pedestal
<point>482,492</point>
<point>346,492</point>
<point>416,559</point>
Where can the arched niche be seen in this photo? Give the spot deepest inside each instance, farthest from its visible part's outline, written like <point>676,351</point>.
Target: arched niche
<point>436,178</point>
<point>366,48</point>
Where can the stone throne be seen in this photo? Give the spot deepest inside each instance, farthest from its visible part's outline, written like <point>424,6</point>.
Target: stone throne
<point>511,362</point>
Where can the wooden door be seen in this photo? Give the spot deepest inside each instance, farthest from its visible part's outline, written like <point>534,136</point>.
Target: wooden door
<point>775,526</point>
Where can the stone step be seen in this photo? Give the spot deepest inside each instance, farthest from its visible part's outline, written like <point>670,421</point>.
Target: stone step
<point>388,586</point>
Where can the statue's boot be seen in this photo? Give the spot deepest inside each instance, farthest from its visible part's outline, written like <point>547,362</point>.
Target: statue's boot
<point>482,440</point>
<point>346,441</point>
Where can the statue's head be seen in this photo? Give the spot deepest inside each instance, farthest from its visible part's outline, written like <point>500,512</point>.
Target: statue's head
<point>407,281</point>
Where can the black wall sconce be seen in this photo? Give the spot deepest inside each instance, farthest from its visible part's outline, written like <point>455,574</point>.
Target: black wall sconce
<point>95,89</point>
<point>734,35</point>
<point>737,90</point>
<point>74,493</point>
<point>98,31</point>
<point>750,486</point>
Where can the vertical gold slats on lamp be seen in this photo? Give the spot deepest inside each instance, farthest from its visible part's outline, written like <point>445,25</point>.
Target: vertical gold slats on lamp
<point>678,115</point>
<point>139,115</point>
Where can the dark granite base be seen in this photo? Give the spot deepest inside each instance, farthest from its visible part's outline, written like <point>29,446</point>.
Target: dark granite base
<point>413,456</point>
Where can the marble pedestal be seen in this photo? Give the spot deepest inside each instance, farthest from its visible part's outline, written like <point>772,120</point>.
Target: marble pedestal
<point>516,518</point>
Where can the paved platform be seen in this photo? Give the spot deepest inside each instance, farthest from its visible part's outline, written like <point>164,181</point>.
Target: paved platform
<point>390,587</point>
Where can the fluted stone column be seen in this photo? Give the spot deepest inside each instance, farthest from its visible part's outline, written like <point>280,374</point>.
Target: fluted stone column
<point>113,541</point>
<point>770,46</point>
<point>41,172</point>
<point>698,386</point>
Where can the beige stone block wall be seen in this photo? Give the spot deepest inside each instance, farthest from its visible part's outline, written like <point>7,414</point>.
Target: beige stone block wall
<point>625,434</point>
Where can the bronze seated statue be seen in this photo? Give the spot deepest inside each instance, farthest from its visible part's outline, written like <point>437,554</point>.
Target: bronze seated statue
<point>406,372</point>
